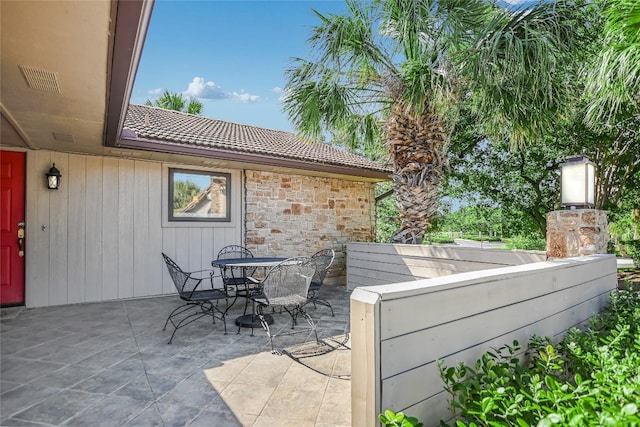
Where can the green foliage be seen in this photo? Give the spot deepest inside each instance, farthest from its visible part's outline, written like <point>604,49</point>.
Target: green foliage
<point>633,249</point>
<point>438,239</point>
<point>392,419</point>
<point>622,228</point>
<point>386,215</point>
<point>183,193</point>
<point>528,243</point>
<point>592,378</point>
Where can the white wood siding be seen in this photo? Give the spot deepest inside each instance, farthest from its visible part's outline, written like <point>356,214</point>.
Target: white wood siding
<point>400,330</point>
<point>100,236</point>
<point>371,264</point>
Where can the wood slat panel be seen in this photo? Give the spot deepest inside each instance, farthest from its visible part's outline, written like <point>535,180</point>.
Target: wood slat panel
<point>423,382</point>
<point>38,231</point>
<point>104,233</point>
<point>459,317</point>
<point>488,290</point>
<point>402,353</point>
<point>154,223</point>
<point>93,229</point>
<point>76,249</point>
<point>373,264</point>
<point>142,264</point>
<point>58,236</point>
<point>126,196</point>
<point>110,229</point>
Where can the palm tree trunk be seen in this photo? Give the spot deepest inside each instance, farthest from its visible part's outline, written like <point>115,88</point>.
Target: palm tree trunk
<point>415,143</point>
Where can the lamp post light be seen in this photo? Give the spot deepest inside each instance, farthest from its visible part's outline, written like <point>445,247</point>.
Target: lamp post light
<point>579,229</point>
<point>53,178</point>
<point>577,183</point>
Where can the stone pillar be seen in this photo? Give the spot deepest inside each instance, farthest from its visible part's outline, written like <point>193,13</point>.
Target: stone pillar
<point>576,232</point>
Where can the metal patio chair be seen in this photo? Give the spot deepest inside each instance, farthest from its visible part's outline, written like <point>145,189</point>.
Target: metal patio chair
<point>240,278</point>
<point>199,295</point>
<point>286,286</point>
<point>324,260</point>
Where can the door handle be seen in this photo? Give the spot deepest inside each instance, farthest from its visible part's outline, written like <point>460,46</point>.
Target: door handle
<point>20,241</point>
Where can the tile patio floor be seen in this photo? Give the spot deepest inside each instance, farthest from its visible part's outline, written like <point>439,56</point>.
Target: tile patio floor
<point>109,364</point>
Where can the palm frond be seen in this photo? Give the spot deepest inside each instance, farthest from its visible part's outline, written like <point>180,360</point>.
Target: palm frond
<point>614,83</point>
<point>516,69</point>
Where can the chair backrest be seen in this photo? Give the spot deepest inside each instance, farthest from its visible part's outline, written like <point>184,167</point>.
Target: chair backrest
<point>183,282</point>
<point>290,277</point>
<point>323,260</point>
<point>234,273</point>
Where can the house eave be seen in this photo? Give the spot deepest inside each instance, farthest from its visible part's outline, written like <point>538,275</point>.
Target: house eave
<point>129,24</point>
<point>250,158</point>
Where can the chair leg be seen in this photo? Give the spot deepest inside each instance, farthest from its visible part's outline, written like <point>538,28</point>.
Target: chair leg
<point>206,309</point>
<point>265,326</point>
<point>310,322</point>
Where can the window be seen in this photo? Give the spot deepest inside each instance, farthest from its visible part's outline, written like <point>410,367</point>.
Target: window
<point>199,196</point>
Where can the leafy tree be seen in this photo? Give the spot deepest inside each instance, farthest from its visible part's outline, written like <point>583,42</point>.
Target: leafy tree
<point>177,102</point>
<point>396,70</point>
<point>386,213</point>
<point>526,180</point>
<point>183,193</point>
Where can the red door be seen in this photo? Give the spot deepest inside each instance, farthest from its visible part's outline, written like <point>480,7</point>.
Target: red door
<point>12,231</point>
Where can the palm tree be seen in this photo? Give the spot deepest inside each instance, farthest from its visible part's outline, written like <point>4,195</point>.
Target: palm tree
<point>614,81</point>
<point>395,71</point>
<point>177,102</point>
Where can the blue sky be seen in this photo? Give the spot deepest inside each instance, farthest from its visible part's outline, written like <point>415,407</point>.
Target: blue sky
<point>230,54</point>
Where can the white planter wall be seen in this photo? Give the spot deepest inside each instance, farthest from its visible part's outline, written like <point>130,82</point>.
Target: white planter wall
<point>400,330</point>
<point>378,264</point>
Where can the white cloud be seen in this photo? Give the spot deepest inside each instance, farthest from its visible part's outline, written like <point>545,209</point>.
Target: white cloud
<point>277,89</point>
<point>243,97</point>
<point>157,91</point>
<point>198,88</point>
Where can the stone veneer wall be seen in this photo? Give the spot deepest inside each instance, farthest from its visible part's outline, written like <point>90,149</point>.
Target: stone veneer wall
<point>576,232</point>
<point>296,215</point>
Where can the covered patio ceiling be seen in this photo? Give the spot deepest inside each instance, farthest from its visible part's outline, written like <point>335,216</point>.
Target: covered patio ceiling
<point>67,71</point>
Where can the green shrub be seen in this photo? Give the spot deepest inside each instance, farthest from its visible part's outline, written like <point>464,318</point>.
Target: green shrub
<point>526,243</point>
<point>479,237</point>
<point>633,249</point>
<point>392,419</point>
<point>437,239</point>
<point>592,378</point>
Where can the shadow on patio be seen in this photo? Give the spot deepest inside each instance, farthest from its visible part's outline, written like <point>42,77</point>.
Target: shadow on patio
<point>109,364</point>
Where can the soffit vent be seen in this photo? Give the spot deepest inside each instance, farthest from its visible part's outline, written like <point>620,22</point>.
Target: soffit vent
<point>63,137</point>
<point>45,81</point>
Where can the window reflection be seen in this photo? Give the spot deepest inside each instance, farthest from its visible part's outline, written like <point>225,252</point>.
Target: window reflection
<point>198,195</point>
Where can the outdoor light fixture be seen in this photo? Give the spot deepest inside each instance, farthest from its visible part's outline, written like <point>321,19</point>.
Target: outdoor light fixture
<point>577,183</point>
<point>53,178</point>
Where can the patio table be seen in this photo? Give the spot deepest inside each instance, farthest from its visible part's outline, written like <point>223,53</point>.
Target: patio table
<point>249,320</point>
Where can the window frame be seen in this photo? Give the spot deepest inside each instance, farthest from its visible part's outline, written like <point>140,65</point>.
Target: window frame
<point>172,171</point>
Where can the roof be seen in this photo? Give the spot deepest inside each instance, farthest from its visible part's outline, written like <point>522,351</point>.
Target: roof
<point>198,135</point>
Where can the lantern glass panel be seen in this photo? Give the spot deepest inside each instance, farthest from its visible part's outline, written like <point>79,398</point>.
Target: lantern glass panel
<point>52,182</point>
<point>573,184</point>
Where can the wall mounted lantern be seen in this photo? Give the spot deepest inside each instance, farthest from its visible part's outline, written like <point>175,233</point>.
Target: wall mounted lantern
<point>53,178</point>
<point>577,183</point>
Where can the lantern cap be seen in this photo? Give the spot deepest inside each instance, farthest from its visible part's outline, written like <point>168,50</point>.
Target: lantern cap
<point>576,158</point>
<point>53,171</point>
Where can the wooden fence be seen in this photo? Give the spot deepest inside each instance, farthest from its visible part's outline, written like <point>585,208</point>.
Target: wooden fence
<point>400,329</point>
